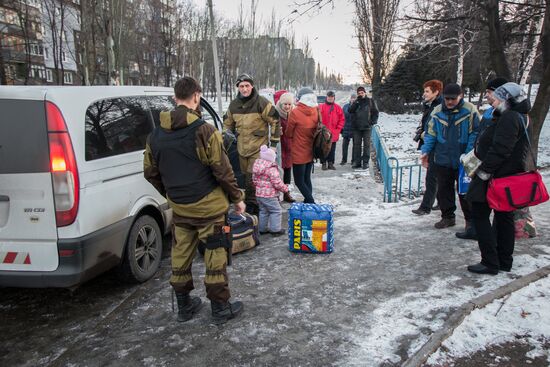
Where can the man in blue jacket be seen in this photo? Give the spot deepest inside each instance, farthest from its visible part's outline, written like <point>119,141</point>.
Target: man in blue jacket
<point>452,131</point>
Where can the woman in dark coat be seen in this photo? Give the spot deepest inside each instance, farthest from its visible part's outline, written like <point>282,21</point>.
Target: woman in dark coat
<point>503,148</point>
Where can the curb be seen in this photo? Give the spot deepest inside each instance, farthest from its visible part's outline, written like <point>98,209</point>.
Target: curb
<point>437,338</point>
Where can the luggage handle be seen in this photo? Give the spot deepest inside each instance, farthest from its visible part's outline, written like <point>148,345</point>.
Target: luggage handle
<point>242,220</point>
<point>520,206</point>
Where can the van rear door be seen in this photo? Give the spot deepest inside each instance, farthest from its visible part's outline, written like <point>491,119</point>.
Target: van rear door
<point>28,232</point>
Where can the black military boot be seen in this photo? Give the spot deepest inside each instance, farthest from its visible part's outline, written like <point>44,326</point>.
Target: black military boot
<point>223,312</point>
<point>187,306</point>
<point>469,232</point>
<point>324,166</point>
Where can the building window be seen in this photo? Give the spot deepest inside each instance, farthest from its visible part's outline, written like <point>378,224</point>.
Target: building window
<point>37,72</point>
<point>63,56</point>
<point>49,75</point>
<point>36,49</point>
<point>68,77</point>
<point>46,53</point>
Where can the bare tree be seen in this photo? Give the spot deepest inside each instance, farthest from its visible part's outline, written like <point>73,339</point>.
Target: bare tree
<point>542,101</point>
<point>375,24</point>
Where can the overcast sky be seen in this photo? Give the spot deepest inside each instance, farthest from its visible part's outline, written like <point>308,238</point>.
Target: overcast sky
<point>330,30</point>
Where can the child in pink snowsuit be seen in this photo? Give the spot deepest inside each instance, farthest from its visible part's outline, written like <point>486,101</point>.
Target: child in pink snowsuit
<point>268,183</point>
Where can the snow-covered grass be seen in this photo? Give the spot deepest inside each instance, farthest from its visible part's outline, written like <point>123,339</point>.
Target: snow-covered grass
<point>525,313</point>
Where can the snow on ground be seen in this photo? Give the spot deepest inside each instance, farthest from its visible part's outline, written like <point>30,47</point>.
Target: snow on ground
<point>399,325</point>
<point>524,313</point>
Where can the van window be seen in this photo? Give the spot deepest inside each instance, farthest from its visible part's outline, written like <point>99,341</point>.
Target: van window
<point>116,126</point>
<point>157,104</point>
<point>167,103</point>
<point>23,137</point>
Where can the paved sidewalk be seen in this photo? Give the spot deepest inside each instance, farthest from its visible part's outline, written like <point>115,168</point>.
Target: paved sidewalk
<point>392,281</point>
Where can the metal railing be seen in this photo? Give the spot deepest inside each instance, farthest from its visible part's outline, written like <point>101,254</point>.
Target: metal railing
<point>393,174</point>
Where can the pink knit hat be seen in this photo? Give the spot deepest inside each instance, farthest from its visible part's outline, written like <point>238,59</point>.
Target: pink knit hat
<point>267,153</point>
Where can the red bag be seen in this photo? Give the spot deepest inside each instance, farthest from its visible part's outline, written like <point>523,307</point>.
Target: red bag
<point>510,193</point>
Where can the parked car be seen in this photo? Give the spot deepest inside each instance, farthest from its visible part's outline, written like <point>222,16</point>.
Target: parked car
<point>321,99</point>
<point>73,199</point>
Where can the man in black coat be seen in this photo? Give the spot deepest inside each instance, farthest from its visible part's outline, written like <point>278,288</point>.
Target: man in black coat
<point>364,115</point>
<point>347,132</point>
<point>432,98</point>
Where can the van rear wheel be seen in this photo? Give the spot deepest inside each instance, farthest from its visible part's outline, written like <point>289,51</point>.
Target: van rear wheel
<point>143,250</point>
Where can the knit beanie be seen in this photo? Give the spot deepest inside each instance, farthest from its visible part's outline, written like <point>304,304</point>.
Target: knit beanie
<point>278,95</point>
<point>267,153</point>
<point>359,89</point>
<point>286,98</point>
<point>508,91</point>
<point>495,83</point>
<point>244,78</point>
<point>304,91</point>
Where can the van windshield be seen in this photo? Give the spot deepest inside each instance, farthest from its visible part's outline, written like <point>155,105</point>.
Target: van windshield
<point>23,137</point>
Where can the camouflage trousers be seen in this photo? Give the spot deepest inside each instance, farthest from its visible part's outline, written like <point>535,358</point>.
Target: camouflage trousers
<point>186,237</point>
<point>247,163</point>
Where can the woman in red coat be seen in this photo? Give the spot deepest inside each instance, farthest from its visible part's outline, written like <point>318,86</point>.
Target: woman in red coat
<point>284,102</point>
<point>333,118</point>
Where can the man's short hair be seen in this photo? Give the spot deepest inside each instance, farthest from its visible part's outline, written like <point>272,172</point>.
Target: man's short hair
<point>186,87</point>
<point>434,84</point>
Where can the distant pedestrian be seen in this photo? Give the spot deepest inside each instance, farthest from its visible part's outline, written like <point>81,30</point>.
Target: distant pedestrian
<point>452,130</point>
<point>347,131</point>
<point>255,122</point>
<point>284,103</point>
<point>332,116</point>
<point>432,98</point>
<point>302,123</point>
<point>503,148</point>
<point>365,116</point>
<point>268,183</point>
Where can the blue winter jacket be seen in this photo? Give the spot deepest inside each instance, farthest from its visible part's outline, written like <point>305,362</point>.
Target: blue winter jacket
<point>451,133</point>
<point>347,131</point>
<point>486,119</point>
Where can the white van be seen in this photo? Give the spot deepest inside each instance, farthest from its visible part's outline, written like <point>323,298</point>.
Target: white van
<point>73,199</point>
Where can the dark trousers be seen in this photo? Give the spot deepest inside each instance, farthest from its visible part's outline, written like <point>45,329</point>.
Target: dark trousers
<point>331,155</point>
<point>431,185</point>
<point>345,147</point>
<point>361,141</point>
<point>302,179</point>
<point>447,181</point>
<point>287,175</point>
<point>496,242</point>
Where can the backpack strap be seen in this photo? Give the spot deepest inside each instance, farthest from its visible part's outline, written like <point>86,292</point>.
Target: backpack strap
<point>525,123</point>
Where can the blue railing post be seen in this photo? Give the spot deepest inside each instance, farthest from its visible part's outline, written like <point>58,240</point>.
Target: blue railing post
<point>389,166</point>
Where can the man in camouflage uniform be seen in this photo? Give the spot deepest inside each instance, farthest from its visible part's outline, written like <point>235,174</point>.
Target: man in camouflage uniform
<point>185,161</point>
<point>252,118</point>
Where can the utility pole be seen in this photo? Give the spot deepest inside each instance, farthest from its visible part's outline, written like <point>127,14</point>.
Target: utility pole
<point>216,61</point>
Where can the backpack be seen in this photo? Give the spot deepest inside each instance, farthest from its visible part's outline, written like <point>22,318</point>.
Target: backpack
<point>322,140</point>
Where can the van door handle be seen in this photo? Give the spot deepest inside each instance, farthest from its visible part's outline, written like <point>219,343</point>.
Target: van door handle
<point>4,198</point>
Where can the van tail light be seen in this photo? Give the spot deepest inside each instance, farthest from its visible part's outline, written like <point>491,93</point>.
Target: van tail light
<point>63,167</point>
